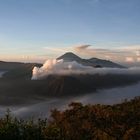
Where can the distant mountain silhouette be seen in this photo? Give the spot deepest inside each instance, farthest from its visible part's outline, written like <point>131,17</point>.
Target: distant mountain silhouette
<point>9,65</point>
<point>94,62</point>
<point>105,63</point>
<point>69,56</point>
<point>17,69</point>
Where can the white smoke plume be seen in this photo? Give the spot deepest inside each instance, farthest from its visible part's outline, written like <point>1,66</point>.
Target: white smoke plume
<point>59,67</point>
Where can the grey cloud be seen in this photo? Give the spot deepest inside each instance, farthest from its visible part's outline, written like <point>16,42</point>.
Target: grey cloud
<point>68,68</point>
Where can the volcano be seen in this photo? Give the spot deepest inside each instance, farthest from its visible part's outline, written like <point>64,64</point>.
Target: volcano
<point>94,62</point>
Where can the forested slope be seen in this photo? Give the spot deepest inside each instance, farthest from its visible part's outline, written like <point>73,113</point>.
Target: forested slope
<point>78,122</point>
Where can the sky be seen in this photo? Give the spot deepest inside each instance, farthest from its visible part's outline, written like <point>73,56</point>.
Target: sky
<point>36,30</point>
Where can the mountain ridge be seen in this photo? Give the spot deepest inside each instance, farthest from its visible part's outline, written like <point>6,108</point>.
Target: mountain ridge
<point>94,62</point>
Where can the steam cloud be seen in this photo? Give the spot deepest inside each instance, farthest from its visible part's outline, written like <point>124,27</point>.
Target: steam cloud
<point>59,67</point>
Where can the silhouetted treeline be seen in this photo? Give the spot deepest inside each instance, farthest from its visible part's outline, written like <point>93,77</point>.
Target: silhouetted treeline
<point>78,122</point>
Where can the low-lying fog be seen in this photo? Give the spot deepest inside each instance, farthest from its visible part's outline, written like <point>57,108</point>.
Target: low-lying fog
<point>1,73</point>
<point>42,107</point>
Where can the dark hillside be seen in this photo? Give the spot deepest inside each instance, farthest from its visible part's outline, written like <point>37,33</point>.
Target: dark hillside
<point>78,122</point>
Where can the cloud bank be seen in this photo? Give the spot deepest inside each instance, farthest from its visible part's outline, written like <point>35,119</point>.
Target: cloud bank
<point>130,54</point>
<point>59,67</point>
<point>42,109</point>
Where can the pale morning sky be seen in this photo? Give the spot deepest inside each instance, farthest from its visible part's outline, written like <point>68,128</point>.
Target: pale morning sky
<point>35,30</point>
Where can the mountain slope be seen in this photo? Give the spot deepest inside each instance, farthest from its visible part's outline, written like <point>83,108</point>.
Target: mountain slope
<point>104,63</point>
<point>66,85</point>
<point>9,65</point>
<point>16,70</point>
<point>94,62</point>
<point>69,56</point>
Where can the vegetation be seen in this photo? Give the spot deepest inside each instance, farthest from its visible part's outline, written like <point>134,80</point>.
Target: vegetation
<point>78,122</point>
